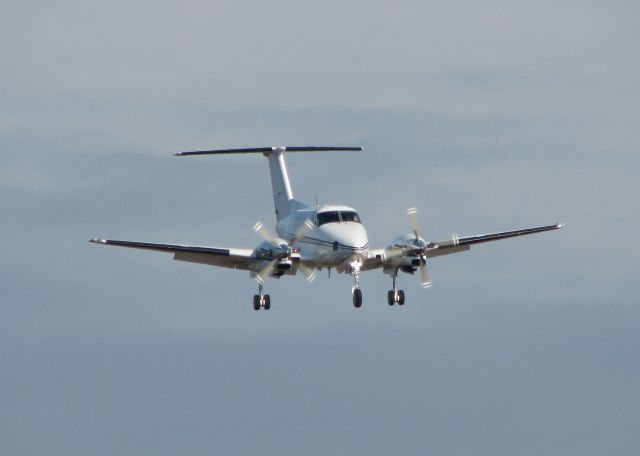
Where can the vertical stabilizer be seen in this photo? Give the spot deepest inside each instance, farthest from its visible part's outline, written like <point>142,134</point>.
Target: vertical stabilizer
<point>280,182</point>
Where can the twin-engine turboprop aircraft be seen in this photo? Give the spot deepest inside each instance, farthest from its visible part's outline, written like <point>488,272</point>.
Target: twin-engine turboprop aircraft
<point>310,239</point>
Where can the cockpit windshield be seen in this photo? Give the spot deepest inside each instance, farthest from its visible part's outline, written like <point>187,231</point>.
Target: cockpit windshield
<point>337,217</point>
<point>349,216</point>
<point>328,217</point>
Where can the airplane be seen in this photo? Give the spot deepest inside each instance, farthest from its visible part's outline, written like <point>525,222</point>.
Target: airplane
<point>310,239</point>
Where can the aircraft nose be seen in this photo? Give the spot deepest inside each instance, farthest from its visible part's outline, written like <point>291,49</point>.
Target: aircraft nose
<point>350,236</point>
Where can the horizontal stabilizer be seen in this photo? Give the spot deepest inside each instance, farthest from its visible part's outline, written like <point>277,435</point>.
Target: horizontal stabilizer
<point>268,150</point>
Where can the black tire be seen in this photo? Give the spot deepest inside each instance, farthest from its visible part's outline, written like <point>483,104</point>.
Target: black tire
<point>267,302</point>
<point>256,302</point>
<point>391,299</point>
<point>357,298</point>
<point>401,298</point>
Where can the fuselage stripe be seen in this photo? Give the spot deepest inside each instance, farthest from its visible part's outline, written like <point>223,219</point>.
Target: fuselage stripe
<point>322,242</point>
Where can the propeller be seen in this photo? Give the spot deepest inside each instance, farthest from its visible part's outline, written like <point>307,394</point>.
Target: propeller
<point>268,236</point>
<point>421,248</point>
<point>412,212</point>
<point>262,275</point>
<point>309,274</point>
<point>285,248</point>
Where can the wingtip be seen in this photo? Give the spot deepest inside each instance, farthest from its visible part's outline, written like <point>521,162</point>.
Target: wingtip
<point>97,241</point>
<point>560,225</point>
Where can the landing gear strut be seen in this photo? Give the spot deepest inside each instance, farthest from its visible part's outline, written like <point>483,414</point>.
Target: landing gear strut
<point>395,295</point>
<point>356,292</point>
<point>261,300</point>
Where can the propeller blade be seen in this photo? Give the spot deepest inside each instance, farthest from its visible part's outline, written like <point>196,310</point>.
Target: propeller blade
<point>265,272</point>
<point>425,278</point>
<point>412,212</point>
<point>265,233</point>
<point>302,231</point>
<point>309,274</point>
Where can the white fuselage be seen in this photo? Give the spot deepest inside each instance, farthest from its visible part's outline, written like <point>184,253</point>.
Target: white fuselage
<point>337,235</point>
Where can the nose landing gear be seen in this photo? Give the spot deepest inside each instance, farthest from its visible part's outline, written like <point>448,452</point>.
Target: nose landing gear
<point>261,300</point>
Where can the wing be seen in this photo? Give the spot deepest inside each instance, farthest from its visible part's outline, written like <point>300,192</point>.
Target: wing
<point>461,244</point>
<point>378,258</point>
<point>213,256</point>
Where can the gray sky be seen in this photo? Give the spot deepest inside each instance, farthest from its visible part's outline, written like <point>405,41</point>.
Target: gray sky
<point>486,116</point>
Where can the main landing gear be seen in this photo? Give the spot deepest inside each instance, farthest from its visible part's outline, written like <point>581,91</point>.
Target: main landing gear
<point>261,300</point>
<point>395,295</point>
<point>356,292</point>
<point>357,297</point>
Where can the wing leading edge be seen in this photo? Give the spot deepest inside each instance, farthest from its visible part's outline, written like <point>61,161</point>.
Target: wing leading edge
<point>228,258</point>
<point>460,244</point>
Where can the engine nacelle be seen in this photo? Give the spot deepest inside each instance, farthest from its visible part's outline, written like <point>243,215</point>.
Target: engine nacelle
<point>268,251</point>
<point>283,265</point>
<point>406,241</point>
<point>405,253</point>
<point>404,261</point>
<point>288,266</point>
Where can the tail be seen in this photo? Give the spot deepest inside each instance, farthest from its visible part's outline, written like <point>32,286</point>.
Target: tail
<point>282,194</point>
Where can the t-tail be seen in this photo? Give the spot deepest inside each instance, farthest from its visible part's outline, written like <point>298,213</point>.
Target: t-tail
<point>282,194</point>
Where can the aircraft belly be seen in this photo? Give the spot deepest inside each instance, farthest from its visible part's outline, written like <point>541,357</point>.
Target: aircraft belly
<point>321,256</point>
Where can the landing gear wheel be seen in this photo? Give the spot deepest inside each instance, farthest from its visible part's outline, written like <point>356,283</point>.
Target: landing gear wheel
<point>267,302</point>
<point>391,298</point>
<point>256,302</point>
<point>401,298</point>
<point>357,298</point>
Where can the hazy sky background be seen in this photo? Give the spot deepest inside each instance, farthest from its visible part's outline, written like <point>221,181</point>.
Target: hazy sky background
<point>487,116</point>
